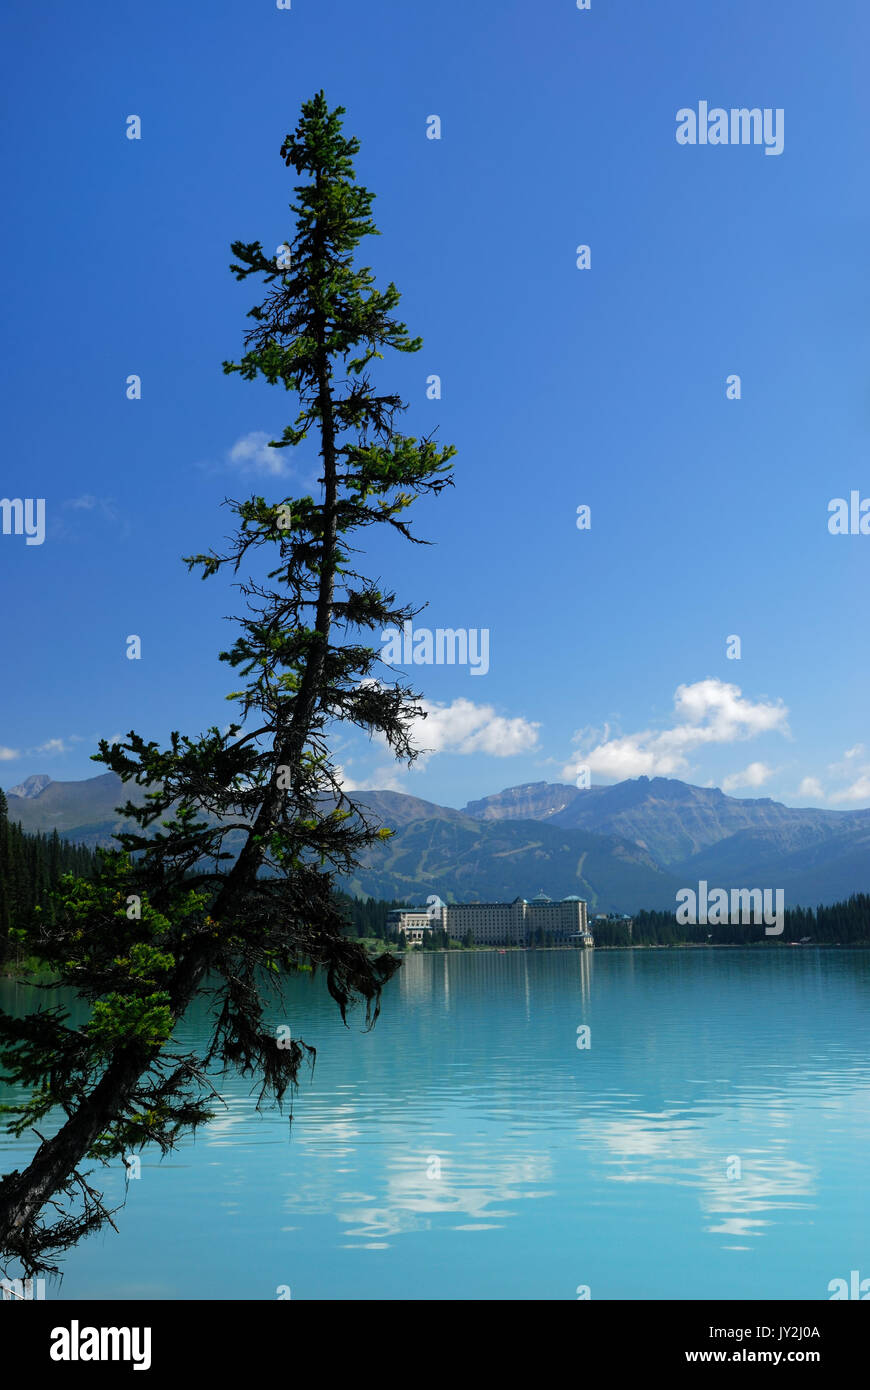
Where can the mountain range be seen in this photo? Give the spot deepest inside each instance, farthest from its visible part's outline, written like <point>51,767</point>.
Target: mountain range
<point>623,847</point>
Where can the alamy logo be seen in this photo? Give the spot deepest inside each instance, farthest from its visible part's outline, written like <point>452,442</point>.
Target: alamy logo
<point>739,126</point>
<point>24,517</point>
<point>745,906</point>
<point>102,1344</point>
<point>446,646</point>
<point>849,518</point>
<point>857,1288</point>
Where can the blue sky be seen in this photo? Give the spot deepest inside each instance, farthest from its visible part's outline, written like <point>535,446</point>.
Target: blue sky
<point>561,387</point>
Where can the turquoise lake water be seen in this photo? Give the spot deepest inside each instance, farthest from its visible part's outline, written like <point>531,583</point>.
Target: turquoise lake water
<point>710,1142</point>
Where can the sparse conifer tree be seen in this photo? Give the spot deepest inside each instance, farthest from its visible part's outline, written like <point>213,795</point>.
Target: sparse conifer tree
<point>233,856</point>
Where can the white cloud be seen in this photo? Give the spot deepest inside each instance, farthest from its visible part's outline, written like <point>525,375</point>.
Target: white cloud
<point>464,727</point>
<point>75,518</point>
<point>251,454</point>
<point>383,779</point>
<point>88,503</point>
<point>811,786</point>
<point>755,775</point>
<point>461,727</point>
<point>858,791</point>
<point>346,783</point>
<point>847,766</point>
<point>708,712</point>
<point>52,745</point>
<point>855,772</point>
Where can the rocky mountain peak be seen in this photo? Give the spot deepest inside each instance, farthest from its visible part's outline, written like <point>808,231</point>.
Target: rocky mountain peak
<point>31,786</point>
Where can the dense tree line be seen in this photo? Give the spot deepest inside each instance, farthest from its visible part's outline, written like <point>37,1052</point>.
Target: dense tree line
<point>844,924</point>
<point>30,867</point>
<point>368,916</point>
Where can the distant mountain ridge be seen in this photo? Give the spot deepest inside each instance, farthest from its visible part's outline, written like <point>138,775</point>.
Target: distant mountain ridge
<point>32,786</point>
<point>623,847</point>
<point>84,811</point>
<point>697,833</point>
<point>672,819</point>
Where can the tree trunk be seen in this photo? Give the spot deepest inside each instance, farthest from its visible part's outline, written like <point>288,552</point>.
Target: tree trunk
<point>24,1194</point>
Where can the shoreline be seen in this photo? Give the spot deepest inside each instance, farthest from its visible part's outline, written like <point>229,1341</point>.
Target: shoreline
<point>643,946</point>
<point>37,977</point>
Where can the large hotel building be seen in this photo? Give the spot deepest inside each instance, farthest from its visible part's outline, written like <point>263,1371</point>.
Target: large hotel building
<point>519,923</point>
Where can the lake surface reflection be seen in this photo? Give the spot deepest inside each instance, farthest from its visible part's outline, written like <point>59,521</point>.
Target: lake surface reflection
<point>710,1142</point>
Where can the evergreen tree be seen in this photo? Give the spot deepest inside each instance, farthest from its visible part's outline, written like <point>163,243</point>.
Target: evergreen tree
<point>178,901</point>
<point>5,913</point>
<point>30,867</point>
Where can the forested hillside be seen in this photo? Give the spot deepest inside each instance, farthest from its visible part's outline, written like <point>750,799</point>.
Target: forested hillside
<point>30,866</point>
